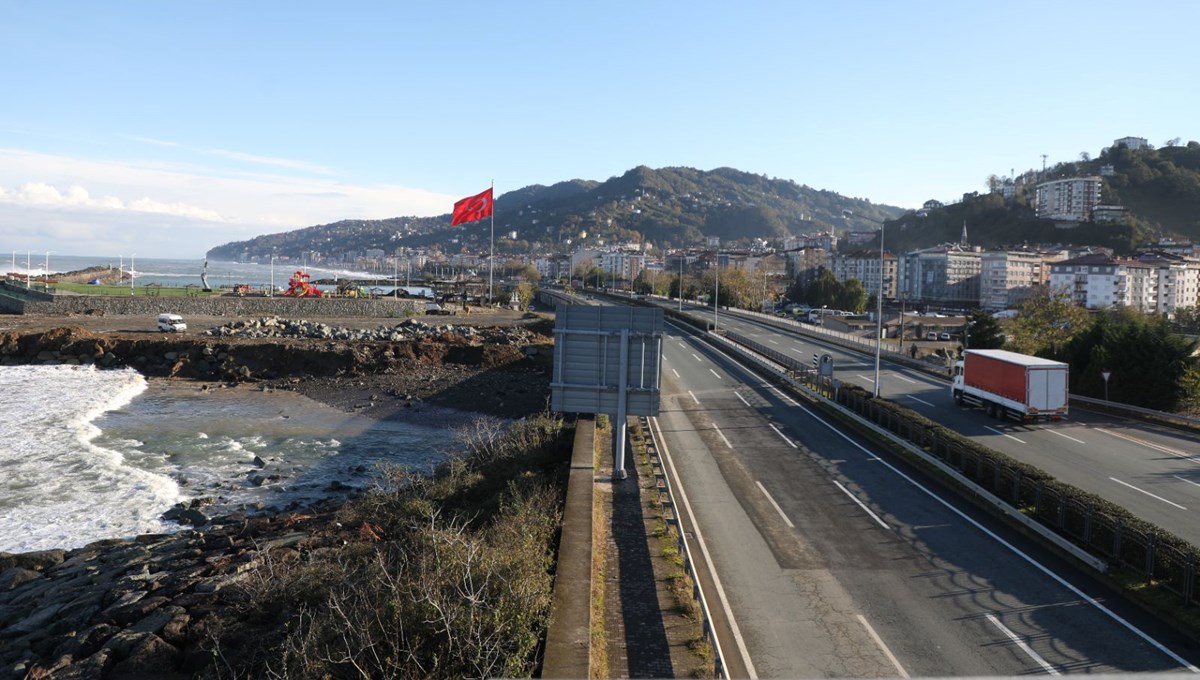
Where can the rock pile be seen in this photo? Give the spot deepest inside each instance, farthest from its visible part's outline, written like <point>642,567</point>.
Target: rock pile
<point>140,607</point>
<point>410,329</point>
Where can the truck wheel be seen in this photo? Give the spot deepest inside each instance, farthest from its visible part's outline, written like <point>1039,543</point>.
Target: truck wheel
<point>958,399</point>
<point>991,410</point>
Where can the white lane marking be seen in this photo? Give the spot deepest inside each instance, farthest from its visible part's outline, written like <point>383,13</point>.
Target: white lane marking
<point>920,400</point>
<point>722,435</point>
<point>737,632</point>
<point>675,372</point>
<point>715,373</point>
<point>783,436</point>
<point>783,396</point>
<point>739,396</point>
<point>1003,434</point>
<point>1157,447</point>
<point>697,358</point>
<point>870,380</point>
<point>1066,436</point>
<point>772,341</point>
<point>879,641</point>
<point>1012,548</point>
<point>776,505</point>
<point>694,397</point>
<point>900,377</point>
<point>1024,647</point>
<point>862,505</point>
<point>1185,480</point>
<point>683,345</point>
<point>1147,493</point>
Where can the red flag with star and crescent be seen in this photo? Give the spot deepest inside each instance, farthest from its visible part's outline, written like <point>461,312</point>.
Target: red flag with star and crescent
<point>472,208</point>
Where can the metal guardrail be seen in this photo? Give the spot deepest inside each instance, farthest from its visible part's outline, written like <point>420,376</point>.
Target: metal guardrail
<point>858,343</point>
<point>666,497</point>
<point>1162,559</point>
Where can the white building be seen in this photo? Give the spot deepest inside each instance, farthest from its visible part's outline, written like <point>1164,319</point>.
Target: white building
<point>1158,284</point>
<point>943,274</point>
<point>1007,277</point>
<point>1132,143</point>
<point>864,266</point>
<point>1068,200</point>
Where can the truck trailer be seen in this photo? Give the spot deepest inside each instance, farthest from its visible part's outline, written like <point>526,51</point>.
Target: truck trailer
<point>1011,385</point>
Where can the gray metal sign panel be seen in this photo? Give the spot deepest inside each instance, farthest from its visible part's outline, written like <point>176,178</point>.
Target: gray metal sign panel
<point>590,346</point>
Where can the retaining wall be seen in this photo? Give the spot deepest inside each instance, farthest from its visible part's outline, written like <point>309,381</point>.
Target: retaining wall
<point>17,301</point>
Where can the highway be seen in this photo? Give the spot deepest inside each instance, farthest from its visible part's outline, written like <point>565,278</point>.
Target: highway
<point>835,559</point>
<point>1150,470</point>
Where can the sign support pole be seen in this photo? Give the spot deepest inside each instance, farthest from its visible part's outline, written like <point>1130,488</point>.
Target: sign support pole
<point>619,422</point>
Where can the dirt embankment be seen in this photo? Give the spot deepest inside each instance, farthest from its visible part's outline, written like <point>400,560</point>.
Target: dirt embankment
<point>501,371</point>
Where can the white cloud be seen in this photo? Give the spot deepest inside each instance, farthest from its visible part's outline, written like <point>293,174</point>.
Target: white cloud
<point>58,197</point>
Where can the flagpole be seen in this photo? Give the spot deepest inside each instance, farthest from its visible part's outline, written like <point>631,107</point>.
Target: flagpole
<point>492,249</point>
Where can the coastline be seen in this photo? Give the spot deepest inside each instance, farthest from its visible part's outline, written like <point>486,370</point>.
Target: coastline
<point>143,604</point>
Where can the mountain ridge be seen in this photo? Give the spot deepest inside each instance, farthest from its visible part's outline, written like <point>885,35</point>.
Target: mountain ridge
<point>670,206</point>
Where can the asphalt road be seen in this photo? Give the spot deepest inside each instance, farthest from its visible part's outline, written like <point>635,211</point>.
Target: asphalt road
<point>835,560</point>
<point>1152,471</point>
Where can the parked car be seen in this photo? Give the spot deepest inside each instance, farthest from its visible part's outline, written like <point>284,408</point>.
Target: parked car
<point>171,323</point>
<point>944,336</point>
<point>931,335</point>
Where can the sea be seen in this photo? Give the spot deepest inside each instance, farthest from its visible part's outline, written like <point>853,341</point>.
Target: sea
<point>89,454</point>
<point>195,271</point>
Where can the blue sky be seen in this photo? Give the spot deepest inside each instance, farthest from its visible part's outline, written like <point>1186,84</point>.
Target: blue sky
<point>166,128</point>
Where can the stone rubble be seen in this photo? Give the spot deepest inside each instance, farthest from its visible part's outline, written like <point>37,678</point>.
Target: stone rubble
<point>409,329</point>
<point>120,608</point>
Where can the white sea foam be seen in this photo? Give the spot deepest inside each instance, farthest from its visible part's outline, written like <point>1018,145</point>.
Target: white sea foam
<point>57,488</point>
<point>87,454</point>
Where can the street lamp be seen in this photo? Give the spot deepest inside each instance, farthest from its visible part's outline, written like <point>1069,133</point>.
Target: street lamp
<point>716,286</point>
<point>681,283</point>
<point>878,300</point>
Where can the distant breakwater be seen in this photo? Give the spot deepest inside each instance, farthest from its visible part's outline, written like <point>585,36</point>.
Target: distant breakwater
<point>17,300</point>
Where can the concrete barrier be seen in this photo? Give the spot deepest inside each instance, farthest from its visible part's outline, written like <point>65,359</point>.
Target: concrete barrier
<point>569,637</point>
<point>15,301</point>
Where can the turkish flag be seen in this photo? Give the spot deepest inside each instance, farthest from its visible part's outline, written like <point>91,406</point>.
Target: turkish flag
<point>472,208</point>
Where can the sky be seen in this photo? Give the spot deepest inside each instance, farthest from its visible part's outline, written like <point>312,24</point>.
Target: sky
<point>167,128</point>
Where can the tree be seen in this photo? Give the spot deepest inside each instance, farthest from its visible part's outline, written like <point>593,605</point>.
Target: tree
<point>983,331</point>
<point>1150,365</point>
<point>1046,323</point>
<point>852,297</point>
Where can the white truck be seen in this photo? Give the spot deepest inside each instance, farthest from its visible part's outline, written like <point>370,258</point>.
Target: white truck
<point>1011,385</point>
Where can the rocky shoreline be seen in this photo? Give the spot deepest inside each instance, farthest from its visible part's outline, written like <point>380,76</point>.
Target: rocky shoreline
<point>142,607</point>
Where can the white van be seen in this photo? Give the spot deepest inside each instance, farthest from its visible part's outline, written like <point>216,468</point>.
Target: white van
<point>171,323</point>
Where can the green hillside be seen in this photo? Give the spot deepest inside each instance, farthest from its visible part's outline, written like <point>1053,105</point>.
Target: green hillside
<point>667,207</point>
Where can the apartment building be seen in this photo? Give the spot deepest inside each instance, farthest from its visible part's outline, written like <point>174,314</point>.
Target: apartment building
<point>1008,277</point>
<point>1069,200</point>
<point>1159,283</point>
<point>947,275</point>
<point>805,264</point>
<point>864,265</point>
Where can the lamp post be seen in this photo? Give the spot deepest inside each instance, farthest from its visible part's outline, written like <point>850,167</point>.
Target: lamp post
<point>680,282</point>
<point>879,303</point>
<point>716,286</point>
<point>131,274</point>
<point>272,293</point>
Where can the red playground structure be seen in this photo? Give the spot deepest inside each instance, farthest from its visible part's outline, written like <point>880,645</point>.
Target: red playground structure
<point>298,286</point>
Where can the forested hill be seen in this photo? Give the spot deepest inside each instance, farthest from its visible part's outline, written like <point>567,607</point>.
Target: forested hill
<point>1160,188</point>
<point>666,207</point>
